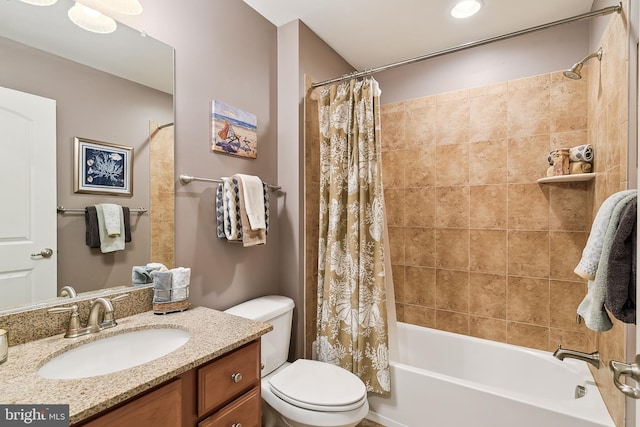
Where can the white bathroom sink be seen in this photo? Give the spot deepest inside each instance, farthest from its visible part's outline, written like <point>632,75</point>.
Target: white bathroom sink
<point>114,353</point>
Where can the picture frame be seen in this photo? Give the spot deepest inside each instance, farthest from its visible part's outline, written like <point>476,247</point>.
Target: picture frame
<point>102,168</point>
<point>233,131</point>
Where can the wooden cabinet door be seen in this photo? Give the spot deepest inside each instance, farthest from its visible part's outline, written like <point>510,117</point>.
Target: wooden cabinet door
<point>159,408</point>
<point>244,412</point>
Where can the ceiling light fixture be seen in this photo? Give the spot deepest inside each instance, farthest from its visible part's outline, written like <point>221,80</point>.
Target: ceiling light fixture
<point>126,7</point>
<point>466,8</point>
<point>91,20</point>
<point>40,2</point>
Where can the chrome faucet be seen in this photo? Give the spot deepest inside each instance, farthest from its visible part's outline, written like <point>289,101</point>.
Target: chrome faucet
<point>95,323</point>
<point>593,358</point>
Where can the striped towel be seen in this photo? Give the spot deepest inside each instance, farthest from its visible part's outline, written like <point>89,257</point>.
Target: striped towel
<point>228,222</point>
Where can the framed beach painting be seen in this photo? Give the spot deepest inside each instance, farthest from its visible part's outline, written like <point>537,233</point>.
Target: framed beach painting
<point>233,131</point>
<point>102,168</point>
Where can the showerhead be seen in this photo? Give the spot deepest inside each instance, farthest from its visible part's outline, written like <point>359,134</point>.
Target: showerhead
<point>574,72</point>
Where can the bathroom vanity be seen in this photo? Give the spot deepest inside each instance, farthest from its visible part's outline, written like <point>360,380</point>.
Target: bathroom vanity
<point>212,380</point>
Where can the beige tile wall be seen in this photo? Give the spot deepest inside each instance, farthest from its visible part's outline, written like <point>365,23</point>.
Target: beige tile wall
<point>161,152</point>
<point>478,247</point>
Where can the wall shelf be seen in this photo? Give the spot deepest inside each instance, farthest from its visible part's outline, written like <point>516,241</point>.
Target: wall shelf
<point>578,177</point>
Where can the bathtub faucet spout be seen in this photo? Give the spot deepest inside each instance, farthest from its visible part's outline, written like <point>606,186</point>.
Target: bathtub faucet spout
<point>593,358</point>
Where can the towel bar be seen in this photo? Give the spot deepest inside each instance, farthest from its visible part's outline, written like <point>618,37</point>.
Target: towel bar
<point>185,179</point>
<point>62,209</point>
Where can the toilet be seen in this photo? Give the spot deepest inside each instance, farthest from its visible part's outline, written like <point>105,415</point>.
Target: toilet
<point>305,393</point>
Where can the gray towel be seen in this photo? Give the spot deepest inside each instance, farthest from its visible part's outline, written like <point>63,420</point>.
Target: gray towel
<point>126,213</point>
<point>141,275</point>
<point>592,252</point>
<point>592,308</point>
<point>92,235</point>
<point>162,283</point>
<point>620,296</point>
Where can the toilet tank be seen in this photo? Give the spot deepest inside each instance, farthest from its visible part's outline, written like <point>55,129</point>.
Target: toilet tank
<point>277,311</point>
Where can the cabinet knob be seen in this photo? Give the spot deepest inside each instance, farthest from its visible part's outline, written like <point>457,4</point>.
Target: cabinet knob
<point>236,378</point>
<point>236,425</point>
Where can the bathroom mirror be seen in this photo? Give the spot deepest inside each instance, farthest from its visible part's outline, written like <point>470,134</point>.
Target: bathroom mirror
<point>116,88</point>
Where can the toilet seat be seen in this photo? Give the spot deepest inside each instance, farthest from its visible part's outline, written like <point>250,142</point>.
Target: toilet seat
<point>318,386</point>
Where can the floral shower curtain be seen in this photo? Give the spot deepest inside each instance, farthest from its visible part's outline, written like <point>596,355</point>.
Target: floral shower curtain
<point>352,315</point>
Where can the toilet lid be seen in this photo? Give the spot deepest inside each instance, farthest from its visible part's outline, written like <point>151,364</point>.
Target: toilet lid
<point>318,386</point>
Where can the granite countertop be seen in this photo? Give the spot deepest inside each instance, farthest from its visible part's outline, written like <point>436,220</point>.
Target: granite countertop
<point>213,334</point>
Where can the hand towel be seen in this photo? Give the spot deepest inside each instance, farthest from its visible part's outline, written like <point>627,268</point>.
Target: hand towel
<point>109,243</point>
<point>112,215</point>
<point>220,212</point>
<point>92,234</point>
<point>157,266</point>
<point>126,214</point>
<point>253,200</point>
<point>231,200</point>
<point>141,274</point>
<point>265,193</point>
<point>592,308</point>
<point>620,296</point>
<point>162,283</point>
<point>249,237</point>
<point>581,153</point>
<point>560,158</point>
<point>588,264</point>
<point>580,167</point>
<point>181,277</point>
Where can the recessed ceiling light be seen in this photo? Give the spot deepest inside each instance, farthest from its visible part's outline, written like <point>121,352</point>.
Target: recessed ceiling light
<point>91,20</point>
<point>466,8</point>
<point>40,2</point>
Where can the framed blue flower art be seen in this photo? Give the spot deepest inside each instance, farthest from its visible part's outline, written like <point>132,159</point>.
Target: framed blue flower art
<point>102,168</point>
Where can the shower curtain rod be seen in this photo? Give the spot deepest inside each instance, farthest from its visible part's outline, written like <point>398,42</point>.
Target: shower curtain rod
<point>356,74</point>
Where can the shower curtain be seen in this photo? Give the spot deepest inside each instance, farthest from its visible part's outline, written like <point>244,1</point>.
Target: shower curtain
<point>352,313</point>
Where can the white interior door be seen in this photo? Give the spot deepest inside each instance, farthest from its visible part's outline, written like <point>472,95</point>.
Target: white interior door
<point>28,244</point>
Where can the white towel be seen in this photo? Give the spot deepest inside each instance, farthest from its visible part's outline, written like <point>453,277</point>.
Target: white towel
<point>253,201</point>
<point>588,264</point>
<point>181,277</point>
<point>112,214</point>
<point>157,266</point>
<point>109,243</point>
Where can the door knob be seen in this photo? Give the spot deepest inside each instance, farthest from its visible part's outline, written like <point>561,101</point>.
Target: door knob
<point>45,253</point>
<point>621,369</point>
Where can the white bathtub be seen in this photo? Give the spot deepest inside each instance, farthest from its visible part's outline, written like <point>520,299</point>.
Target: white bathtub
<point>450,380</point>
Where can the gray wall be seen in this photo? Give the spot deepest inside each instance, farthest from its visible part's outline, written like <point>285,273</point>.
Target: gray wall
<point>95,105</point>
<point>225,51</point>
<point>300,53</point>
<point>535,53</point>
